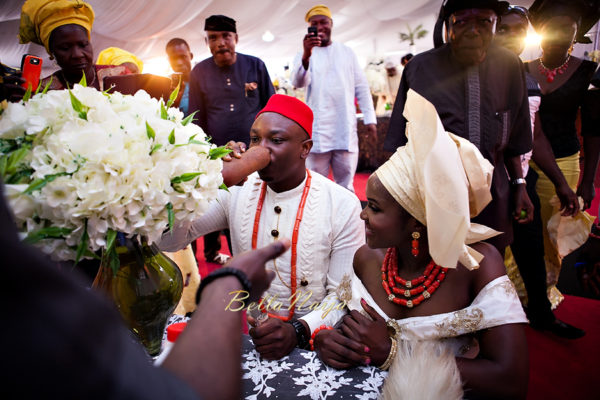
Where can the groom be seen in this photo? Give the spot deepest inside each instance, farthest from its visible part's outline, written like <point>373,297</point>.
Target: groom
<point>287,200</point>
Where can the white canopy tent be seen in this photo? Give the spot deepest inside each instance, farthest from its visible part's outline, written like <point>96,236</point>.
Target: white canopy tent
<point>143,27</point>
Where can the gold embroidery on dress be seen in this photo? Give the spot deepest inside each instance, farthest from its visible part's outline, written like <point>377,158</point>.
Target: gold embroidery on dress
<point>461,322</point>
<point>344,289</point>
<point>508,287</point>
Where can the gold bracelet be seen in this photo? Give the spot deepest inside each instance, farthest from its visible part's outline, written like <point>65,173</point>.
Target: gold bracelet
<point>390,358</point>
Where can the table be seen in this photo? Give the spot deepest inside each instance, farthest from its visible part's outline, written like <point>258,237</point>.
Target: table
<point>370,153</point>
<point>301,375</point>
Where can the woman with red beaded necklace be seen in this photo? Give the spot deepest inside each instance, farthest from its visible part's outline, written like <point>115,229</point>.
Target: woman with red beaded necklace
<point>564,80</point>
<point>417,280</point>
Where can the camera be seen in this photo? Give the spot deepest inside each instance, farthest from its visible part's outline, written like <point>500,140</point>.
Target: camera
<point>312,31</point>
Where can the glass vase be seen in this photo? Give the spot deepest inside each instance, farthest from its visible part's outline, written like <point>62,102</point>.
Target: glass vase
<point>146,288</point>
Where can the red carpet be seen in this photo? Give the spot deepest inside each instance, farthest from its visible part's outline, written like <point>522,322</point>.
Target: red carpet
<point>559,368</point>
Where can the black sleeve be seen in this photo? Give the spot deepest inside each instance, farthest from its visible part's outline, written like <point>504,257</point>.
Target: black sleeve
<point>590,113</point>
<point>396,135</point>
<point>266,89</point>
<point>196,100</point>
<point>520,139</point>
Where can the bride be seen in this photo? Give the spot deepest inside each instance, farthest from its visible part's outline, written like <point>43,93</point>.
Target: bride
<point>428,297</point>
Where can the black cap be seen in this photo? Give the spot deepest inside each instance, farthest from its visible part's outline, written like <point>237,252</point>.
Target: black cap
<point>452,6</point>
<point>449,7</point>
<point>219,23</point>
<point>585,12</point>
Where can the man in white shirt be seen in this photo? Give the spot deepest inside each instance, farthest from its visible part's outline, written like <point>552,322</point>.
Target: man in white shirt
<point>330,72</point>
<point>287,200</point>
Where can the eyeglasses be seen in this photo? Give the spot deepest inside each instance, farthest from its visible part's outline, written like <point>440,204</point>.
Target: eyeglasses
<point>518,10</point>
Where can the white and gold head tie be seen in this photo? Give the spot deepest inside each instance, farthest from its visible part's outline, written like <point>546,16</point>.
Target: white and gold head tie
<point>443,181</point>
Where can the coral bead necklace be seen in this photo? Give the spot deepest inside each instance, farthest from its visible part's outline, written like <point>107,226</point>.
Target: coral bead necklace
<point>550,73</point>
<point>299,214</point>
<point>414,291</point>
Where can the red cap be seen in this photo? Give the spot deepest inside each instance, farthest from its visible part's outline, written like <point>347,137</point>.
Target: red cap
<point>174,330</point>
<point>292,108</point>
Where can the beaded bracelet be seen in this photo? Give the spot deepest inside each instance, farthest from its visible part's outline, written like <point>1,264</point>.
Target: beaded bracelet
<point>222,272</point>
<point>390,358</point>
<point>312,338</point>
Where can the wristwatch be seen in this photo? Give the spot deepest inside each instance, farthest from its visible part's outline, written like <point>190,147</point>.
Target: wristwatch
<point>301,335</point>
<point>518,181</point>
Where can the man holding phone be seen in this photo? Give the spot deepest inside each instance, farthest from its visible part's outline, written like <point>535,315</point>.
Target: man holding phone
<point>330,72</point>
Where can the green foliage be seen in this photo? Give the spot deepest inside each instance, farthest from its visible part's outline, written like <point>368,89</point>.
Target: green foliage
<point>163,110</point>
<point>413,34</point>
<point>47,85</point>
<point>174,94</point>
<point>189,118</point>
<point>78,106</point>
<point>170,216</point>
<point>39,183</point>
<point>83,243</point>
<point>83,81</point>
<point>218,152</point>
<point>51,232</point>
<point>149,131</point>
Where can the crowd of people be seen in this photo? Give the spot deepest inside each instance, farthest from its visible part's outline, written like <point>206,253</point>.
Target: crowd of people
<point>481,142</point>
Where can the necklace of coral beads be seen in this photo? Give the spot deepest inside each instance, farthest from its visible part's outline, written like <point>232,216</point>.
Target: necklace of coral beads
<point>422,287</point>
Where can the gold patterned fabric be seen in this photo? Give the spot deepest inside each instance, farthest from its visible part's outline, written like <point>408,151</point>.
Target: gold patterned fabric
<point>40,17</point>
<point>443,181</point>
<point>569,166</point>
<point>512,270</point>
<point>496,304</point>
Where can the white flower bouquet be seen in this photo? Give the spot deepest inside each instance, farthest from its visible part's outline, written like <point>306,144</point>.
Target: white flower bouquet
<point>80,165</point>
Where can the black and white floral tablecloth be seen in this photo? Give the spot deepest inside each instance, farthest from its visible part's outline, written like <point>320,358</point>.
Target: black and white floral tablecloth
<point>301,375</point>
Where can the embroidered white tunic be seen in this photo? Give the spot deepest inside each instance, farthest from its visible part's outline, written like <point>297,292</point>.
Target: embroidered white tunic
<point>330,233</point>
<point>333,79</point>
<point>496,304</point>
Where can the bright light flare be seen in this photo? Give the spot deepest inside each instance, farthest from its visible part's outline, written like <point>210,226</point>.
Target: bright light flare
<point>533,39</point>
<point>157,66</point>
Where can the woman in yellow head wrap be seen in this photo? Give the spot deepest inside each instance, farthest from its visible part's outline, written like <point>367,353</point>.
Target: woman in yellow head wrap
<point>428,298</point>
<point>117,56</point>
<point>63,27</point>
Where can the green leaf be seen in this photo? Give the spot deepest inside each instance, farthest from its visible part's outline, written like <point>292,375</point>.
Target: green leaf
<point>155,147</point>
<point>163,111</point>
<point>8,145</point>
<point>51,232</point>
<point>83,243</point>
<point>3,162</point>
<point>189,118</point>
<point>47,85</point>
<point>83,81</point>
<point>185,177</point>
<point>218,152</point>
<point>110,239</point>
<point>79,108</point>
<point>224,187</point>
<point>22,176</point>
<point>149,131</point>
<point>91,254</point>
<point>174,94</point>
<point>171,216</point>
<point>114,262</point>
<point>37,90</point>
<point>27,94</point>
<point>172,136</point>
<point>15,158</point>
<point>39,183</point>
